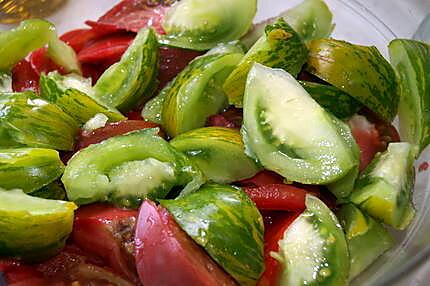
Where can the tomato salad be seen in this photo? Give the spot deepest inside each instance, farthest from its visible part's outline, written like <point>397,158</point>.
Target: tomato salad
<point>177,143</point>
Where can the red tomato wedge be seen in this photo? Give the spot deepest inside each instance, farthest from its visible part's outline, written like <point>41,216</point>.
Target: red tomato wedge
<point>166,255</point>
<point>24,77</point>
<point>41,63</point>
<point>273,233</point>
<point>108,49</point>
<point>263,178</point>
<point>107,232</point>
<point>111,130</point>
<point>131,15</point>
<point>173,61</point>
<point>78,38</point>
<point>231,118</point>
<point>277,197</point>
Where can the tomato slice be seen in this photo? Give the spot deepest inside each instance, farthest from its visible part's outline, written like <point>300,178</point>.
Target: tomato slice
<point>41,63</point>
<point>231,118</point>
<point>131,15</point>
<point>166,255</point>
<point>274,232</point>
<point>24,77</point>
<point>111,130</point>
<point>279,197</point>
<point>107,232</point>
<point>173,61</point>
<point>262,178</point>
<point>78,38</point>
<point>108,49</point>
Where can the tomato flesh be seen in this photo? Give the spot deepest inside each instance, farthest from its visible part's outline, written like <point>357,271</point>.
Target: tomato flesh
<point>24,77</point>
<point>166,255</point>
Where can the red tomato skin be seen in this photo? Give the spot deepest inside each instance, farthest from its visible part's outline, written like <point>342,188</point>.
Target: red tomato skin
<point>278,197</point>
<point>24,77</point>
<point>274,232</point>
<point>263,178</point>
<point>108,49</point>
<point>94,232</point>
<point>78,38</point>
<point>166,255</point>
<point>41,63</point>
<point>111,130</point>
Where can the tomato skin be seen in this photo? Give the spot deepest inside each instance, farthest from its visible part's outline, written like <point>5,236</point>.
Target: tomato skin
<point>24,77</point>
<point>166,255</point>
<point>231,118</point>
<point>111,130</point>
<point>98,230</point>
<point>280,221</point>
<point>78,38</point>
<point>279,197</point>
<point>263,178</point>
<point>41,63</point>
<point>107,50</point>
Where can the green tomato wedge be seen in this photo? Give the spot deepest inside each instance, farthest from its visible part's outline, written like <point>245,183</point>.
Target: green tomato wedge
<point>75,102</point>
<point>5,82</point>
<point>411,59</point>
<point>219,152</point>
<point>127,169</point>
<point>279,47</point>
<point>313,250</point>
<point>201,25</point>
<point>233,47</point>
<point>226,223</point>
<point>360,71</point>
<point>334,100</point>
<point>312,19</point>
<point>52,191</point>
<point>367,239</point>
<point>28,36</point>
<point>29,169</point>
<point>196,93</point>
<point>153,109</point>
<point>129,82</point>
<point>33,229</point>
<point>289,133</point>
<point>29,120</point>
<point>384,189</point>
<point>63,55</point>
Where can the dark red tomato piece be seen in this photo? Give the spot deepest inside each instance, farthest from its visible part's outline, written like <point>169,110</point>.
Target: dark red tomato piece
<point>134,115</point>
<point>274,232</point>
<point>24,77</point>
<point>107,50</point>
<point>111,130</point>
<point>107,232</point>
<point>173,61</point>
<point>262,178</point>
<point>367,137</point>
<point>94,71</point>
<point>78,38</point>
<point>277,197</point>
<point>131,15</point>
<point>218,120</point>
<point>41,63</point>
<point>166,255</point>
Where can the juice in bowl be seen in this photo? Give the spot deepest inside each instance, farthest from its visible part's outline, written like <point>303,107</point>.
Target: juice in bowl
<point>228,142</point>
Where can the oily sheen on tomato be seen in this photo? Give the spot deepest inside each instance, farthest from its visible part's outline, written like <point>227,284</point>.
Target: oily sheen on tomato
<point>166,255</point>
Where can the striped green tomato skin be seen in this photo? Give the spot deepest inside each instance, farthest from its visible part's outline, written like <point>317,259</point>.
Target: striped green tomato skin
<point>226,223</point>
<point>130,81</point>
<point>29,120</point>
<point>411,59</point>
<point>73,101</point>
<point>334,100</point>
<point>28,36</point>
<point>88,176</point>
<point>29,169</point>
<point>52,191</point>
<point>33,229</point>
<point>219,152</point>
<point>360,71</point>
<point>196,93</point>
<point>279,47</point>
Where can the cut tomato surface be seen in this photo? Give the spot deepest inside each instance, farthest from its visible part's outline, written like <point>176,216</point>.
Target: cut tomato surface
<point>166,255</point>
<point>132,15</point>
<point>41,63</point>
<point>108,232</point>
<point>79,38</point>
<point>24,77</point>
